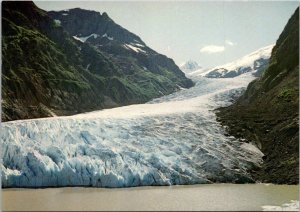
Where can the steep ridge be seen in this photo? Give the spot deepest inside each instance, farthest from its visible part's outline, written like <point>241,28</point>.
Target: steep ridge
<point>190,66</point>
<point>48,72</point>
<point>139,63</point>
<point>267,113</point>
<point>255,62</point>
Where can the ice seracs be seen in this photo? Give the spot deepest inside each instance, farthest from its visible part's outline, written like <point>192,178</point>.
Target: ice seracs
<point>171,140</point>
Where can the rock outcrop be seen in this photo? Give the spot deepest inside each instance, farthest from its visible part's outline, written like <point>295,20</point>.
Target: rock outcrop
<point>268,112</point>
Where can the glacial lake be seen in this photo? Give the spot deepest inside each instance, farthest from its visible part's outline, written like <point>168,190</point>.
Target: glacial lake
<point>208,197</point>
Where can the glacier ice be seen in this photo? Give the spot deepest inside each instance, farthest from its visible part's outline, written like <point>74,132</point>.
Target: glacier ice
<point>171,140</point>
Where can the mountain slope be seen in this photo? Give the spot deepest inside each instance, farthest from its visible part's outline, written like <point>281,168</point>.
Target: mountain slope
<point>190,66</point>
<point>134,58</point>
<point>267,113</point>
<point>255,62</point>
<point>46,71</point>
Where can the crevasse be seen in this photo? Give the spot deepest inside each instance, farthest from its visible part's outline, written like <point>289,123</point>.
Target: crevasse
<point>171,140</point>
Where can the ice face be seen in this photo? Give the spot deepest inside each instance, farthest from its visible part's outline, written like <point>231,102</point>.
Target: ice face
<point>171,140</point>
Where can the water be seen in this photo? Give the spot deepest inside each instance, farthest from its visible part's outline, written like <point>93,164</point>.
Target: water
<point>171,140</point>
<point>213,197</point>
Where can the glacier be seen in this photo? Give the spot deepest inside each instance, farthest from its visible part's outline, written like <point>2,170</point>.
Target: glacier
<point>171,140</point>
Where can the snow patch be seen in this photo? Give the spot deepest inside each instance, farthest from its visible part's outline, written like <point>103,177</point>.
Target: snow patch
<point>57,22</point>
<point>136,49</point>
<point>77,38</point>
<point>106,36</point>
<point>190,66</point>
<point>84,39</point>
<point>87,67</point>
<point>137,44</point>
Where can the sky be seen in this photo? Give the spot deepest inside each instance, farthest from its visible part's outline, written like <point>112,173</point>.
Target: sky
<point>211,33</point>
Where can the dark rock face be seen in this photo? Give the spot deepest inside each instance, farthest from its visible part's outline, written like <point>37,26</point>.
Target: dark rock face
<point>46,70</point>
<point>126,49</point>
<point>267,113</point>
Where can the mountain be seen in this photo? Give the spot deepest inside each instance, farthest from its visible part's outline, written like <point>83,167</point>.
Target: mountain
<point>254,62</point>
<point>57,67</point>
<point>190,66</point>
<point>139,63</point>
<point>268,112</point>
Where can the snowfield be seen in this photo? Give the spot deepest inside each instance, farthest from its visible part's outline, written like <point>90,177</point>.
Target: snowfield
<point>248,63</point>
<point>171,140</point>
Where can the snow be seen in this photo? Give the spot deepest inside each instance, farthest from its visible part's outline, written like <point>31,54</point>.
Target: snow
<point>198,72</point>
<point>84,39</point>
<point>106,36</point>
<point>57,22</point>
<point>77,38</point>
<point>246,61</point>
<point>136,49</point>
<point>171,140</point>
<point>87,67</point>
<point>189,66</point>
<point>137,44</point>
<point>293,205</point>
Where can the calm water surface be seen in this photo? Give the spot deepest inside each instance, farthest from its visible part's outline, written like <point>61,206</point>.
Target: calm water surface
<point>193,197</point>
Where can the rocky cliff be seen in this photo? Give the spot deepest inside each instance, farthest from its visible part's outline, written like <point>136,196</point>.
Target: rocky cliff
<point>267,113</point>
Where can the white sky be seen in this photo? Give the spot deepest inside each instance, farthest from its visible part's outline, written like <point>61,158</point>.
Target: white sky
<point>211,33</point>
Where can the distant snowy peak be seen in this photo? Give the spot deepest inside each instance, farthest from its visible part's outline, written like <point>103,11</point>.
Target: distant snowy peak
<point>254,62</point>
<point>190,66</point>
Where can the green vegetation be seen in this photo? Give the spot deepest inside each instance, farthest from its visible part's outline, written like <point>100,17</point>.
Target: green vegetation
<point>268,111</point>
<point>288,94</point>
<point>46,71</point>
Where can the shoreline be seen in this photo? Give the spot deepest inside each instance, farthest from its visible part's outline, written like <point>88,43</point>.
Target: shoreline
<point>147,186</point>
<point>182,197</point>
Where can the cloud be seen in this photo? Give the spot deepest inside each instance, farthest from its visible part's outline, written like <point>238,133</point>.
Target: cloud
<point>210,49</point>
<point>230,43</point>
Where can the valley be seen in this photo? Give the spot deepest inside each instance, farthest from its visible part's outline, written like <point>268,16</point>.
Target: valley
<point>87,103</point>
<point>171,140</point>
